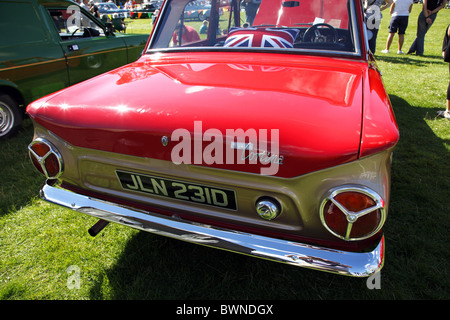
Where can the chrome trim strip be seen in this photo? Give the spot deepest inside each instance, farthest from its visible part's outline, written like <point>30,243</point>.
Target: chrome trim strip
<point>356,38</point>
<point>298,254</point>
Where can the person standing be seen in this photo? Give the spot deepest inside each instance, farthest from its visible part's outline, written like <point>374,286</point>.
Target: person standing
<point>424,21</point>
<point>251,8</point>
<point>446,56</point>
<point>400,10</point>
<point>85,4</point>
<point>372,11</point>
<point>94,9</point>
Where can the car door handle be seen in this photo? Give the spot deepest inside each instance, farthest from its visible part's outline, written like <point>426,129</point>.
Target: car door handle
<point>73,47</point>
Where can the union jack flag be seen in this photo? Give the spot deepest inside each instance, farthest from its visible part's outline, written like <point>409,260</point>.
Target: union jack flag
<point>261,37</point>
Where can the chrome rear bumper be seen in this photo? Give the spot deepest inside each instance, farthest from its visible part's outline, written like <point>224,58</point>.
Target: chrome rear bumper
<point>298,254</point>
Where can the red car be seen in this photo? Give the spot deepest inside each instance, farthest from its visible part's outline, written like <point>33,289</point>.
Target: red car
<point>272,137</point>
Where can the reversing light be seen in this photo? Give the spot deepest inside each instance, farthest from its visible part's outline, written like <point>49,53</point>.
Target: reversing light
<point>267,208</point>
<point>352,212</point>
<point>46,158</point>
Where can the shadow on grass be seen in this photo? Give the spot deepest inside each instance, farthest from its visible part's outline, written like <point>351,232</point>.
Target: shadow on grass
<point>423,61</point>
<point>418,223</point>
<point>19,180</point>
<point>157,268</point>
<point>154,267</point>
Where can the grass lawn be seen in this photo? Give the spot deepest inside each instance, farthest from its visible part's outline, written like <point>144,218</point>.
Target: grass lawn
<point>43,248</point>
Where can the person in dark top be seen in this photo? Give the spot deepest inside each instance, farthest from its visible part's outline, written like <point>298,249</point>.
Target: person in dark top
<point>446,56</point>
<point>251,8</point>
<point>372,12</point>
<point>424,22</point>
<point>94,9</point>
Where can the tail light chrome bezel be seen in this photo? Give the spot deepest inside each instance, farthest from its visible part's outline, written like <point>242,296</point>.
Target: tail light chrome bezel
<point>41,160</point>
<point>352,217</point>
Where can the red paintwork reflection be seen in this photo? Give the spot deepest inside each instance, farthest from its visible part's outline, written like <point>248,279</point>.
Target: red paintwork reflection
<point>315,104</point>
<point>380,129</point>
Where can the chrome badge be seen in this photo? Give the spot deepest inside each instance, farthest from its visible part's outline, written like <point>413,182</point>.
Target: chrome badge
<point>165,141</point>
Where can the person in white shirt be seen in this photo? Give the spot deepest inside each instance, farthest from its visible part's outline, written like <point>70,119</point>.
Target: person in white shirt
<point>400,10</point>
<point>85,4</point>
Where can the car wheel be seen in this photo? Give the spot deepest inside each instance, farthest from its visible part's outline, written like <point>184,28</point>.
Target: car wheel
<point>10,116</point>
<point>201,16</point>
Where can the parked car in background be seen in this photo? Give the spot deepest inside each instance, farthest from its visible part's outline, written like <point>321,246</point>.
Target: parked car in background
<point>50,45</point>
<point>273,141</point>
<point>197,10</point>
<point>112,10</point>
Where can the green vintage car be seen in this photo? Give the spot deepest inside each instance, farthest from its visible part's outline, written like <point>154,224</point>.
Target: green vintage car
<point>47,45</point>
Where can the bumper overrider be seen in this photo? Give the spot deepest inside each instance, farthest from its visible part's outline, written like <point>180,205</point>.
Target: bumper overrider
<point>357,264</point>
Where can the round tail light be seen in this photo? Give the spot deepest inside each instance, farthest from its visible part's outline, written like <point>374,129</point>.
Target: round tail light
<point>352,212</point>
<point>46,158</point>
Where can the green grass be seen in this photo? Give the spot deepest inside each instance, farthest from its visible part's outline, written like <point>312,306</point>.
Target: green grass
<point>139,25</point>
<point>39,242</point>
